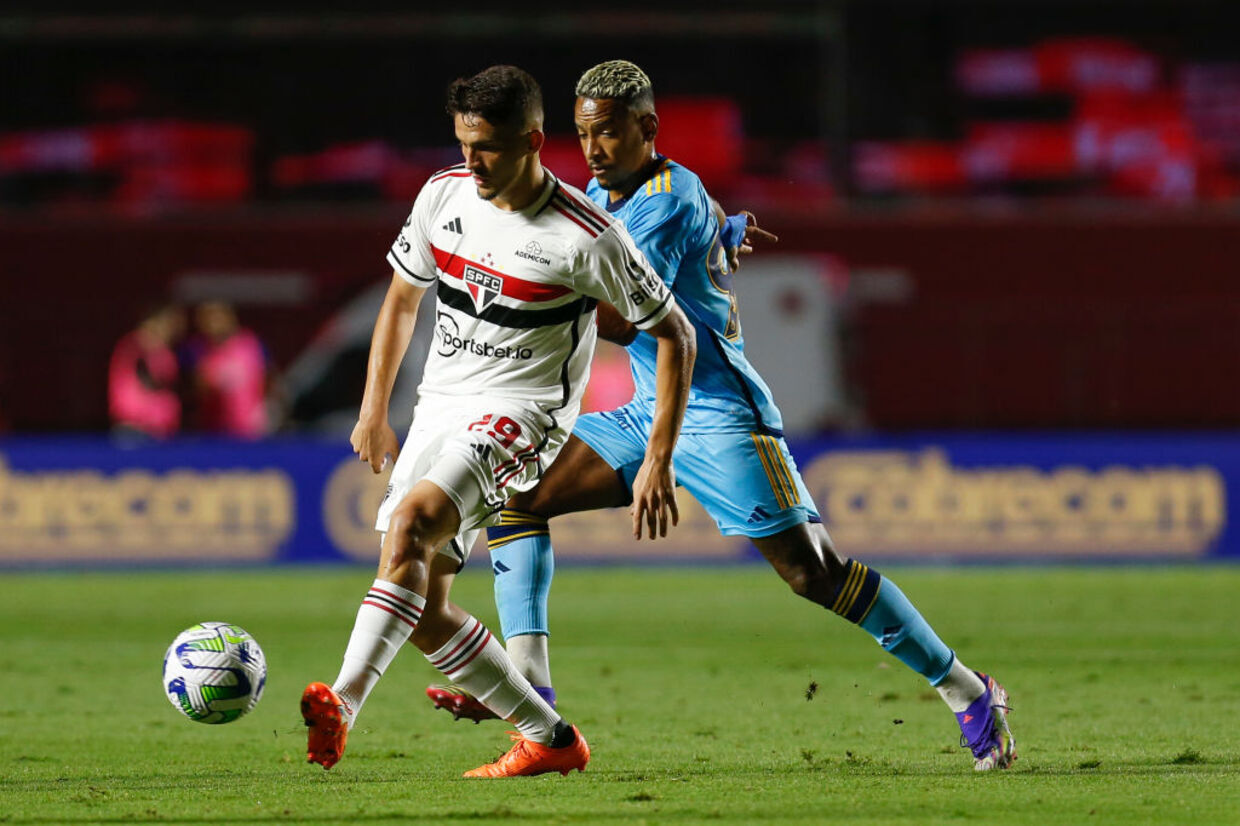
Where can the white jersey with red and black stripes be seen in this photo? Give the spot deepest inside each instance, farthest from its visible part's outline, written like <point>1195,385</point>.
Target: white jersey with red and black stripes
<point>516,291</point>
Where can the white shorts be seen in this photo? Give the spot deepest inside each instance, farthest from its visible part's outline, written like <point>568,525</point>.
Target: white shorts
<point>479,451</point>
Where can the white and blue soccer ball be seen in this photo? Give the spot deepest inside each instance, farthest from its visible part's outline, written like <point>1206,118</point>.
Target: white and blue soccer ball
<point>214,672</point>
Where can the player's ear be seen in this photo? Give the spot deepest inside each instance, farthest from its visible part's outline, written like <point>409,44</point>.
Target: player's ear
<point>536,140</point>
<point>650,126</point>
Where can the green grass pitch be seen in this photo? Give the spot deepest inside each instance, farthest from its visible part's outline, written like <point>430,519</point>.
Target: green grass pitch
<point>691,685</point>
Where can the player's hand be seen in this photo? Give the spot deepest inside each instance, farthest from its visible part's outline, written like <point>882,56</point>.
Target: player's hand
<point>374,442</point>
<point>753,234</point>
<point>654,498</point>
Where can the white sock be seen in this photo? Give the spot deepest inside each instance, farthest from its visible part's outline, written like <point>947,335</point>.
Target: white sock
<point>386,618</point>
<point>960,687</point>
<point>475,661</point>
<point>529,654</point>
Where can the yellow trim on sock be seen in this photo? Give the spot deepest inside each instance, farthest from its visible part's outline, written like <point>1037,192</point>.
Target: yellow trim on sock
<point>873,602</point>
<point>515,517</point>
<point>852,586</point>
<point>504,540</point>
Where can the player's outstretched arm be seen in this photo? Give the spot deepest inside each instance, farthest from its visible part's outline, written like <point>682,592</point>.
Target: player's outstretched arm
<point>738,233</point>
<point>654,487</point>
<point>373,439</point>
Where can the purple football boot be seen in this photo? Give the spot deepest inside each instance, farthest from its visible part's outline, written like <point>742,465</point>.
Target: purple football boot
<point>984,728</point>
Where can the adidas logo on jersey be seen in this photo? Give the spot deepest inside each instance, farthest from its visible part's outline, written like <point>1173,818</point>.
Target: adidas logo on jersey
<point>759,514</point>
<point>453,226</point>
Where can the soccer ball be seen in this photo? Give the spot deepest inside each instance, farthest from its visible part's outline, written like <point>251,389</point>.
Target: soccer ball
<point>214,672</point>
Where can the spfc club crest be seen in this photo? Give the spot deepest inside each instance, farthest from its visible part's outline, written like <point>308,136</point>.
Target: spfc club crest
<point>484,287</point>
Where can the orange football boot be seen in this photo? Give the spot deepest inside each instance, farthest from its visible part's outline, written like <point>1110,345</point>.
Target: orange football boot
<point>529,758</point>
<point>324,713</point>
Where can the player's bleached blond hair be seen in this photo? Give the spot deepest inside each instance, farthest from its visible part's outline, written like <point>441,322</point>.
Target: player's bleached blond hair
<point>618,80</point>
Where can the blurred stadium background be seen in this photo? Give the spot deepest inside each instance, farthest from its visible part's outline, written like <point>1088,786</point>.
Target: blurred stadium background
<point>999,320</point>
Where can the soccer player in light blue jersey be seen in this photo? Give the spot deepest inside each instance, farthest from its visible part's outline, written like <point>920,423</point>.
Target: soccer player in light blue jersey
<point>731,453</point>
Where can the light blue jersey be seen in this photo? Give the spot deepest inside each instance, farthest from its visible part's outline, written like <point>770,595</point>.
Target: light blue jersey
<point>731,454</point>
<point>673,223</point>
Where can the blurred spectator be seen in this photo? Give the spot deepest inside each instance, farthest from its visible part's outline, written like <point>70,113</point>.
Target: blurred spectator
<point>229,370</point>
<point>142,377</point>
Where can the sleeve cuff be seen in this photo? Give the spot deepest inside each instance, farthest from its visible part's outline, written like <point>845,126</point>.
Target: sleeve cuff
<point>406,273</point>
<point>657,314</point>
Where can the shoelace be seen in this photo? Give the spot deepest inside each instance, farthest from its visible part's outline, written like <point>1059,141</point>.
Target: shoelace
<point>516,751</point>
<point>990,731</point>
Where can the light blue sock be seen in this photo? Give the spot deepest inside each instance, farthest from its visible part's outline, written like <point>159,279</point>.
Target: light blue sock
<point>523,563</point>
<point>872,601</point>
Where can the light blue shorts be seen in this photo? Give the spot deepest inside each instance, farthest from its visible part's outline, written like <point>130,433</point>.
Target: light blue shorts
<point>747,482</point>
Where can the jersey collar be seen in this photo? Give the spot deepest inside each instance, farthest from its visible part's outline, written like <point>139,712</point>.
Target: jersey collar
<point>651,170</point>
<point>549,187</point>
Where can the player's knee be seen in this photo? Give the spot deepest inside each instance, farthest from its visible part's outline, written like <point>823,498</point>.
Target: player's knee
<point>413,527</point>
<point>805,560</point>
<point>809,580</point>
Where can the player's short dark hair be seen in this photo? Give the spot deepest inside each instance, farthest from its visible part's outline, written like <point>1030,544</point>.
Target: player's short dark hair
<point>619,80</point>
<point>503,95</point>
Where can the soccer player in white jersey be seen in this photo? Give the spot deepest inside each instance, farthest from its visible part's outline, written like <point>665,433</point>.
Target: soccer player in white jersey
<point>519,261</point>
